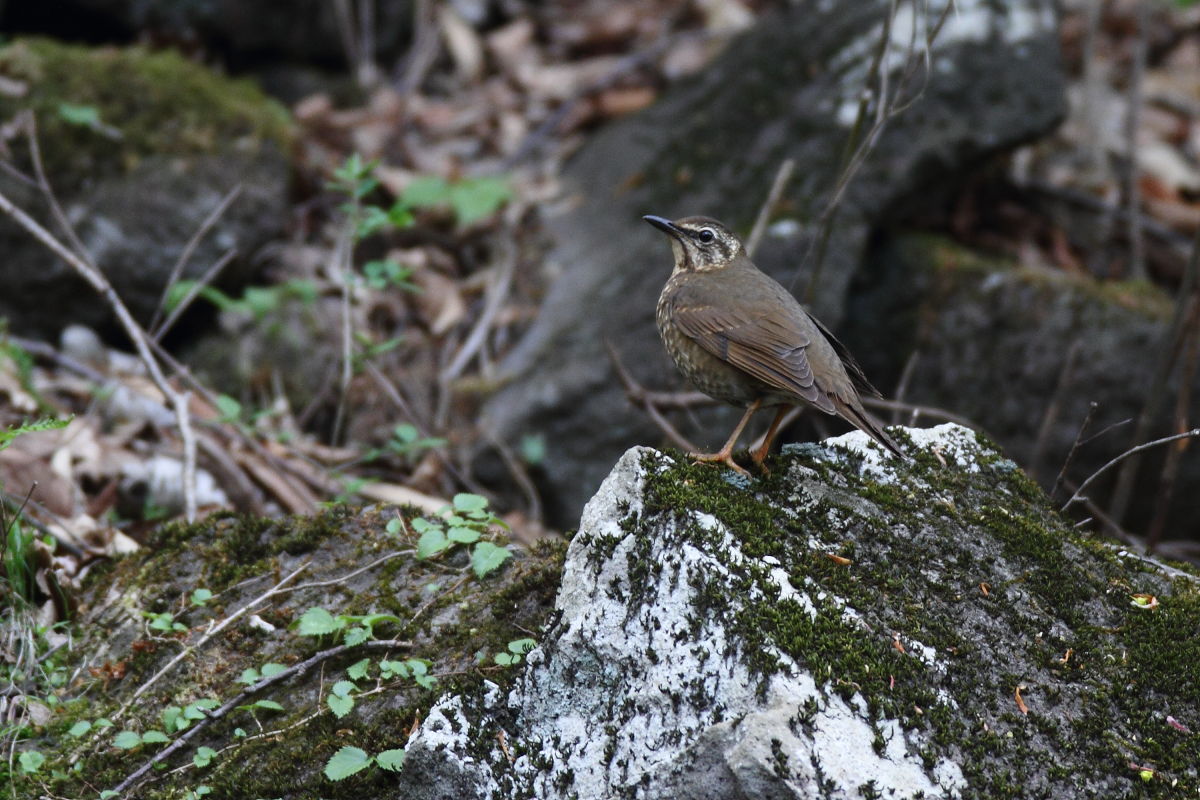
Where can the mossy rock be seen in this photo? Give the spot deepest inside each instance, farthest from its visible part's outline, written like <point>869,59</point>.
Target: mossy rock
<point>157,103</point>
<point>993,339</point>
<point>140,147</point>
<point>343,561</point>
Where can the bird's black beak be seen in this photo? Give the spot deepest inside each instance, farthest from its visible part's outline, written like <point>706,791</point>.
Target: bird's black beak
<point>664,225</point>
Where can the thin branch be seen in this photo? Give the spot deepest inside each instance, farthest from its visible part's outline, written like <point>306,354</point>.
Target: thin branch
<point>192,293</point>
<point>782,176</point>
<point>910,367</point>
<point>1053,407</point>
<point>498,286</point>
<point>1087,421</point>
<point>186,255</point>
<point>1075,498</point>
<point>178,400</point>
<point>637,396</point>
<point>1133,116</point>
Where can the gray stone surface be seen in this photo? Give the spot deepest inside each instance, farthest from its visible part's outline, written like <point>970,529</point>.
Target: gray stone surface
<point>787,89</point>
<point>707,646</point>
<point>993,340</point>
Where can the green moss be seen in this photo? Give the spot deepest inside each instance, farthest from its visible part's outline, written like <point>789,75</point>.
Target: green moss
<point>1126,664</point>
<point>158,102</point>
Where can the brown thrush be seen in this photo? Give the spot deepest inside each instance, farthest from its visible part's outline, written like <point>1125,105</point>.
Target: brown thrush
<point>742,338</point>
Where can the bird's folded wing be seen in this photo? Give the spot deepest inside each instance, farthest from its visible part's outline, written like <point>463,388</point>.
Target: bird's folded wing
<point>768,348</point>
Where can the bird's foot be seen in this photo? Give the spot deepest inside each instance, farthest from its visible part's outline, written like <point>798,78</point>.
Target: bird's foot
<point>723,457</point>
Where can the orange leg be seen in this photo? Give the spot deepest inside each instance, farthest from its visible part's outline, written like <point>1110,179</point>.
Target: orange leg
<point>725,454</point>
<point>759,456</point>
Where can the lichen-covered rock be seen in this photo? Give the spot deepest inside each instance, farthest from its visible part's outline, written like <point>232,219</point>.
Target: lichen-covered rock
<point>848,627</point>
<point>788,89</point>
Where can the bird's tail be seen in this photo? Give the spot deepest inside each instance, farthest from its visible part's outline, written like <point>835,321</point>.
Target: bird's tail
<point>857,416</point>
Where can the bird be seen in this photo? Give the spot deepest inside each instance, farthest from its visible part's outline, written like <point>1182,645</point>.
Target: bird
<point>741,338</point>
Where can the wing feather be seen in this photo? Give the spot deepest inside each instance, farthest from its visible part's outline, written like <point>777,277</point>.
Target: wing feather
<point>769,348</point>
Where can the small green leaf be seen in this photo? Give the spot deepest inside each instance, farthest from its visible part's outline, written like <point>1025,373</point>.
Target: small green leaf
<point>31,761</point>
<point>154,737</point>
<point>249,676</point>
<point>340,705</point>
<point>81,115</point>
<point>506,659</point>
<point>357,635</point>
<point>346,762</point>
<point>463,535</point>
<point>229,409</point>
<point>269,705</point>
<point>426,191</point>
<point>358,670</point>
<point>521,646</point>
<point>391,669</point>
<point>464,502</point>
<point>126,740</point>
<point>269,670</point>
<point>104,722</point>
<point>80,728</point>
<point>533,449</point>
<point>487,557</point>
<point>317,621</point>
<point>391,760</point>
<point>478,198</point>
<point>204,756</point>
<point>432,542</point>
<point>201,596</point>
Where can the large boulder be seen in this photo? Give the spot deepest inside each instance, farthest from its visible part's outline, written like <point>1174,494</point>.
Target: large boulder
<point>790,88</point>
<point>140,148</point>
<point>1024,351</point>
<point>848,627</point>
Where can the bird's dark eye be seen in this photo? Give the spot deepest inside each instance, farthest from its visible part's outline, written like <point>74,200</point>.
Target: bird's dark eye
<point>706,235</point>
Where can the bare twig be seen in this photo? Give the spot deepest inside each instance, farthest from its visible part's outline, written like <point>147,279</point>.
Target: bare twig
<point>782,176</point>
<point>178,400</point>
<point>1133,115</point>
<point>1087,421</point>
<point>917,411</point>
<point>1053,408</point>
<point>910,367</point>
<point>186,256</point>
<point>887,104</point>
<point>426,43</point>
<point>637,396</point>
<point>1078,496</point>
<point>498,285</point>
<point>343,272</point>
<point>192,293</point>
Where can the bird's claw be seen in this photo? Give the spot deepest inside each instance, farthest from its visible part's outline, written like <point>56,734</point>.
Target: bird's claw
<point>722,457</point>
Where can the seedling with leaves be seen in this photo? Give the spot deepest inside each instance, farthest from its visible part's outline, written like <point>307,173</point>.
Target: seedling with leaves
<point>357,628</point>
<point>516,651</point>
<point>349,760</point>
<point>464,523</point>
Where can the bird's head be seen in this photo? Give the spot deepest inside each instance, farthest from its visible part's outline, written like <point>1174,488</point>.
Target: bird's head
<point>699,243</point>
